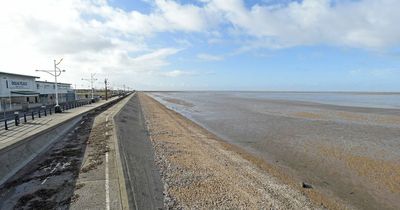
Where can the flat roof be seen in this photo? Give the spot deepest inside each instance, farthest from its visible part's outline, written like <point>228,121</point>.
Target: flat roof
<point>21,75</point>
<point>60,83</point>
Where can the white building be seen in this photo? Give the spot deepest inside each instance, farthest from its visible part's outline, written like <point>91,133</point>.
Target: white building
<point>19,91</point>
<point>47,92</point>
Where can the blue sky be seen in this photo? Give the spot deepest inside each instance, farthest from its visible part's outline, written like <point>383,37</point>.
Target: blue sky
<point>312,45</point>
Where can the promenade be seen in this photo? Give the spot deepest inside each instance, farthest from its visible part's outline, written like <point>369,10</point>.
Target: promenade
<point>38,125</point>
<point>81,170</point>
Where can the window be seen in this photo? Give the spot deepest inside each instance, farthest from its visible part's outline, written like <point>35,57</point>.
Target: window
<point>37,86</point>
<point>7,83</point>
<point>27,99</point>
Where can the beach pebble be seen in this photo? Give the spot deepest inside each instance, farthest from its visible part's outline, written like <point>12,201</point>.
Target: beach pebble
<point>306,185</point>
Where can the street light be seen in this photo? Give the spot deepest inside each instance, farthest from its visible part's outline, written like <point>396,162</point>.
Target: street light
<point>57,72</point>
<point>105,85</point>
<point>91,80</point>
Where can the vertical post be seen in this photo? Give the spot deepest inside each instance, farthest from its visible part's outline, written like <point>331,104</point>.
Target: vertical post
<point>55,79</point>
<point>33,116</point>
<point>5,124</point>
<point>91,85</point>
<point>105,83</point>
<point>39,113</point>
<point>45,112</point>
<point>16,118</point>
<point>24,117</point>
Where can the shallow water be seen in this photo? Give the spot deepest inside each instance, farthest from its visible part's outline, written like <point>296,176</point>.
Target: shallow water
<point>348,140</point>
<point>362,99</point>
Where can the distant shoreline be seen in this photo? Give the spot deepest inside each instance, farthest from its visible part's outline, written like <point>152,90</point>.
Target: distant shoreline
<point>326,99</point>
<point>282,91</point>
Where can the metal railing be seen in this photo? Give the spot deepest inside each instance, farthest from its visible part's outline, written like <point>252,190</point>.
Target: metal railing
<point>17,117</point>
<point>24,116</point>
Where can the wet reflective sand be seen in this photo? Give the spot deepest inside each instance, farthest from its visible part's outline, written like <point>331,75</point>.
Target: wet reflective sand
<point>351,153</point>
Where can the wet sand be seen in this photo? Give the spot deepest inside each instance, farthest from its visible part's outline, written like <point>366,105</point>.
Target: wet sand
<point>349,154</point>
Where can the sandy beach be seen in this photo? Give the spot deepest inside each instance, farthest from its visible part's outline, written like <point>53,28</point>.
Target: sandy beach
<point>199,170</point>
<point>348,154</point>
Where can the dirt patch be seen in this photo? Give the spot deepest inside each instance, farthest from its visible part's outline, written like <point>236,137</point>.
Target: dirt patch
<point>98,142</point>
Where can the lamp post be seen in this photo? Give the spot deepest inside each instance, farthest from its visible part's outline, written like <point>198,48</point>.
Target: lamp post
<point>105,84</point>
<point>91,80</point>
<point>57,72</point>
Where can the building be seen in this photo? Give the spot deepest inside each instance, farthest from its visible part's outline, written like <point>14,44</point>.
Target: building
<point>47,94</point>
<point>19,91</point>
<point>87,93</point>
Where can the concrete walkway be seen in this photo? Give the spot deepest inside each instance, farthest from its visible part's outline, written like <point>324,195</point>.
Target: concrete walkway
<point>15,134</point>
<point>143,182</point>
<point>102,186</point>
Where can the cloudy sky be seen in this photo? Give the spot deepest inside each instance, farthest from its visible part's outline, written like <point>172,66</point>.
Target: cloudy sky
<point>207,44</point>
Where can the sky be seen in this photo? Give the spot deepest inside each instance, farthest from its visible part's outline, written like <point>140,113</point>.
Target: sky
<point>289,45</point>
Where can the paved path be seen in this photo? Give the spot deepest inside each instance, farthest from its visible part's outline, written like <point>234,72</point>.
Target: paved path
<point>33,127</point>
<point>143,181</point>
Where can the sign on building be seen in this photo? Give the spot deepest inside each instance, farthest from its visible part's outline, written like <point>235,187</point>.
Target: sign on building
<point>18,84</point>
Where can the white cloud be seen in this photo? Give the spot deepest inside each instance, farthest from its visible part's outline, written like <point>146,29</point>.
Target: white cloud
<point>178,73</point>
<point>182,17</point>
<point>89,35</point>
<point>208,57</point>
<point>348,23</point>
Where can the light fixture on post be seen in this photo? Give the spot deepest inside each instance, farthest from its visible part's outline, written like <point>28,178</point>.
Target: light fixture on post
<point>91,80</point>
<point>56,72</point>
